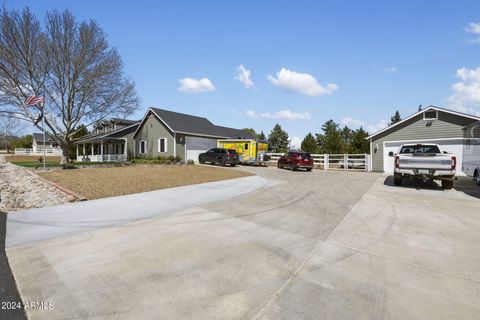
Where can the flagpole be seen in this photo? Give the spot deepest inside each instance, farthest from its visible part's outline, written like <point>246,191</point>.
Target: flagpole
<point>44,140</point>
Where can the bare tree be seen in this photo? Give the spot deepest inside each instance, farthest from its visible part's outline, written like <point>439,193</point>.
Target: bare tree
<point>71,63</point>
<point>9,129</point>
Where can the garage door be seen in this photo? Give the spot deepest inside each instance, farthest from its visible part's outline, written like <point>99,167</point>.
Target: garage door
<point>454,146</point>
<point>195,145</point>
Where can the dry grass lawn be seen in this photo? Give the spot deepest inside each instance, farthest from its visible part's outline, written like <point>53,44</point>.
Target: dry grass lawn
<point>16,158</point>
<point>95,183</point>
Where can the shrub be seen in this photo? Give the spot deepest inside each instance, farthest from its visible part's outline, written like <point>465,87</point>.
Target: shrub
<point>190,162</point>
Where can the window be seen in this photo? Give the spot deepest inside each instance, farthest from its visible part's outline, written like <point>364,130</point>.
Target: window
<point>246,146</point>
<point>162,145</point>
<point>468,143</point>
<point>122,148</point>
<point>143,147</point>
<point>419,148</point>
<point>430,115</point>
<point>117,149</point>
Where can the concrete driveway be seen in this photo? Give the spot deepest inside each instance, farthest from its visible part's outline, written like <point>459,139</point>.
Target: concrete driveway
<point>319,245</point>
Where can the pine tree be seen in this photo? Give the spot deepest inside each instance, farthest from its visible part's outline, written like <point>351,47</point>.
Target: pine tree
<point>261,136</point>
<point>278,140</point>
<point>330,141</point>
<point>359,142</point>
<point>309,144</point>
<point>395,118</point>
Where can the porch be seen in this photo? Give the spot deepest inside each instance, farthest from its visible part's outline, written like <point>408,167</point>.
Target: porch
<point>102,150</point>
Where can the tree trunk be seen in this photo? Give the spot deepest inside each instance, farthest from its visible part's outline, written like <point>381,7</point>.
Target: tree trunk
<point>65,153</point>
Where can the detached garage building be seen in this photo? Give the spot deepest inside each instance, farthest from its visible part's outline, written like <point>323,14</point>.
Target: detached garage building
<point>431,125</point>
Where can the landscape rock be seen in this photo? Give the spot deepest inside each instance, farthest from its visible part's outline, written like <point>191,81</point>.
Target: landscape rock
<point>19,190</point>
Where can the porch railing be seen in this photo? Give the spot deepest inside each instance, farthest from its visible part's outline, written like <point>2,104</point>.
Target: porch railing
<point>102,158</point>
<point>354,162</point>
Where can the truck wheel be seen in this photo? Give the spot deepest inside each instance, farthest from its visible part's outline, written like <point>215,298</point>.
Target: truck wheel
<point>309,169</point>
<point>201,161</point>
<point>477,177</point>
<point>397,179</point>
<point>278,165</point>
<point>291,167</point>
<point>221,162</point>
<point>447,184</point>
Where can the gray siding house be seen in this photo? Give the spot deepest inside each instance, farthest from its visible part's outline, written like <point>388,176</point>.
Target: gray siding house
<point>431,125</point>
<point>167,133</point>
<point>160,133</point>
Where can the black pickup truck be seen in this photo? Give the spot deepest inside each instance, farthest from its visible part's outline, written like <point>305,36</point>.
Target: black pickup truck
<point>219,156</point>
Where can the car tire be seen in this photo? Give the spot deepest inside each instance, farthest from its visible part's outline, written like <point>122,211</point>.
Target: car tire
<point>291,167</point>
<point>278,165</point>
<point>201,161</point>
<point>309,169</point>
<point>232,164</point>
<point>397,179</point>
<point>221,162</point>
<point>447,184</point>
<point>477,177</point>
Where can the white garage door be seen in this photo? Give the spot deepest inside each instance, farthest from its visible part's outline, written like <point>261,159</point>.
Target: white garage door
<point>195,145</point>
<point>454,146</point>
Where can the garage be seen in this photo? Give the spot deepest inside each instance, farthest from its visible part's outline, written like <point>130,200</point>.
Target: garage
<point>196,145</point>
<point>431,125</point>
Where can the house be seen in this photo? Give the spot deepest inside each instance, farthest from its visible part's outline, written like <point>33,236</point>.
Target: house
<point>160,133</point>
<point>38,144</point>
<point>431,125</point>
<point>110,141</point>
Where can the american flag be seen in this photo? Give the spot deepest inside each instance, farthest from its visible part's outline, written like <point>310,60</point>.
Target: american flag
<point>33,100</point>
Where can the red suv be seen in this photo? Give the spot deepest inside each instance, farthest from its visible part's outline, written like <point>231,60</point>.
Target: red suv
<point>295,160</point>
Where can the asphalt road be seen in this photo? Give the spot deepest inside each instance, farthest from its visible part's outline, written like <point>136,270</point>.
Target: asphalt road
<point>319,245</point>
<point>11,306</point>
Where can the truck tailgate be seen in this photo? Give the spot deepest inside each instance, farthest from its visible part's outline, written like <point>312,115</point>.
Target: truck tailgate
<point>424,161</point>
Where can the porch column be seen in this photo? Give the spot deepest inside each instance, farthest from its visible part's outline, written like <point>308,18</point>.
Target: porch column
<point>77,151</point>
<point>125,146</point>
<point>101,150</point>
<point>91,145</point>
<point>84,149</point>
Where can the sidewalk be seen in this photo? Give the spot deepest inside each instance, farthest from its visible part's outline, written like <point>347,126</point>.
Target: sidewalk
<point>33,225</point>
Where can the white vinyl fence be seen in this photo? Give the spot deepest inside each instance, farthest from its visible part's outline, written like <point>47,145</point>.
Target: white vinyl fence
<point>353,162</point>
<point>38,152</point>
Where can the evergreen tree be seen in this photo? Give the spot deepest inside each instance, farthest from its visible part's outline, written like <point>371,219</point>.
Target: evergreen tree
<point>309,144</point>
<point>261,136</point>
<point>278,140</point>
<point>79,132</point>
<point>359,143</point>
<point>330,141</point>
<point>395,118</point>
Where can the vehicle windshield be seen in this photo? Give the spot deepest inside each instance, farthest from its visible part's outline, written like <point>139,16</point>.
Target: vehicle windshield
<point>305,155</point>
<point>420,148</point>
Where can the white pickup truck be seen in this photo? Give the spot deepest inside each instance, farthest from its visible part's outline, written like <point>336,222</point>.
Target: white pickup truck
<point>424,162</point>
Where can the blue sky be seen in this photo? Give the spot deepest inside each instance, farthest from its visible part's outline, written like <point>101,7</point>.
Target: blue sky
<point>377,56</point>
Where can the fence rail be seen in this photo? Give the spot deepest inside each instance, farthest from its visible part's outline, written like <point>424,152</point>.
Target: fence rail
<point>38,151</point>
<point>353,162</point>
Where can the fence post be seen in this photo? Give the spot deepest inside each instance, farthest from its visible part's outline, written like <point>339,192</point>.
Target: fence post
<point>325,161</point>
<point>367,162</point>
<point>345,162</point>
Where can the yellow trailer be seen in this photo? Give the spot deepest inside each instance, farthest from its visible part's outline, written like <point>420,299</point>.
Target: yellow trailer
<point>249,151</point>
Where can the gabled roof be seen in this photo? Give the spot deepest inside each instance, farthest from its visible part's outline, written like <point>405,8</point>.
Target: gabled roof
<point>192,125</point>
<point>234,133</point>
<point>100,135</point>
<point>39,137</point>
<point>461,114</point>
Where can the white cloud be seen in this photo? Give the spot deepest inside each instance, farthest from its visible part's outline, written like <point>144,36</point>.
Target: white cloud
<point>280,115</point>
<point>370,127</point>
<point>191,85</point>
<point>466,92</point>
<point>244,76</point>
<point>391,69</point>
<point>295,143</point>
<point>473,28</point>
<point>301,82</point>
